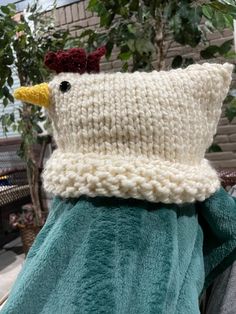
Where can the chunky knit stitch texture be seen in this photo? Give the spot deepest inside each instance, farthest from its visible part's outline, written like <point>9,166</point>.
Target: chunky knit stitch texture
<point>28,94</point>
<point>139,135</point>
<point>74,60</point>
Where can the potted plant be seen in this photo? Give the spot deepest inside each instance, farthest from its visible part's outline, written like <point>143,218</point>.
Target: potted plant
<point>25,38</point>
<point>28,224</point>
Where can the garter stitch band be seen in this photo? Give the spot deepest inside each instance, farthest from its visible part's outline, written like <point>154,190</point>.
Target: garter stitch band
<point>139,135</point>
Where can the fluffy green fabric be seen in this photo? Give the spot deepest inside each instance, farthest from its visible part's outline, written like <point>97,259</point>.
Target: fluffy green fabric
<point>108,255</point>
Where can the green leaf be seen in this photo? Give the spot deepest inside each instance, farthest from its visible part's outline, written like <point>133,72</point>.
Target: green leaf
<point>230,111</point>
<point>125,67</point>
<point>224,7</point>
<point>11,98</point>
<point>130,44</point>
<point>5,102</point>
<point>87,32</point>
<point>91,5</point>
<point>11,118</point>
<point>124,12</point>
<point>106,19</point>
<point>134,4</point>
<point>10,81</point>
<point>5,91</point>
<point>14,127</point>
<point>185,31</point>
<point>131,28</point>
<point>226,47</point>
<point>153,6</point>
<point>187,62</point>
<point>12,6</point>
<point>209,52</point>
<point>5,10</point>
<point>207,11</point>
<point>125,55</point>
<point>219,20</point>
<point>177,62</point>
<point>143,45</point>
<point>109,47</point>
<point>214,148</point>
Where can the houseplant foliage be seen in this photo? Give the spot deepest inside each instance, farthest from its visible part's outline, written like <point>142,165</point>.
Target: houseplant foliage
<point>23,43</point>
<point>144,30</point>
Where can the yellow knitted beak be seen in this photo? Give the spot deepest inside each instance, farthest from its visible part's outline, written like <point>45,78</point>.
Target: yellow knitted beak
<point>37,95</point>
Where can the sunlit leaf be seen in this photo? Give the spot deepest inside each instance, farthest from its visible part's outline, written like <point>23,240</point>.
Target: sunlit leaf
<point>207,11</point>
<point>5,9</point>
<point>125,55</point>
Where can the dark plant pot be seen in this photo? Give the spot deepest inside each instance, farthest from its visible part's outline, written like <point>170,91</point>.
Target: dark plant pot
<point>28,235</point>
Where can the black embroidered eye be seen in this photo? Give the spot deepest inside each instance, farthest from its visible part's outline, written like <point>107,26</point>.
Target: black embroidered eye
<point>65,86</point>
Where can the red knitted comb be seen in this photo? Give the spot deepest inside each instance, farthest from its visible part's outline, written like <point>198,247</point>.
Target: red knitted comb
<point>74,60</point>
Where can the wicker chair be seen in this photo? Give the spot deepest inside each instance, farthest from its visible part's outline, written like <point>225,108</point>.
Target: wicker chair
<point>14,188</point>
<point>228,177</point>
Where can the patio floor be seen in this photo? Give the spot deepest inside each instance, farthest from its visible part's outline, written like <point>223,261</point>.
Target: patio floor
<point>11,260</point>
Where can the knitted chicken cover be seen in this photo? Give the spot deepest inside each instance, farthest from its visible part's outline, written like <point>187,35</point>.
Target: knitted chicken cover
<point>139,222</point>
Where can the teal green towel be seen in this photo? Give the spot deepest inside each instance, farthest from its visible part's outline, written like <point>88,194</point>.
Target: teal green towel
<point>110,255</point>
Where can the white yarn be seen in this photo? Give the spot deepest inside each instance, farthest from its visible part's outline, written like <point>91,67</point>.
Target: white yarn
<point>140,135</point>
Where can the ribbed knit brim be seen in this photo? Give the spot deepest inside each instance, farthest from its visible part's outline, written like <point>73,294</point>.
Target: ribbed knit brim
<point>73,175</point>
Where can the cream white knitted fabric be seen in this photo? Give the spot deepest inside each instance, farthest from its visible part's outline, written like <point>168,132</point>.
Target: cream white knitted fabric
<point>140,135</point>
